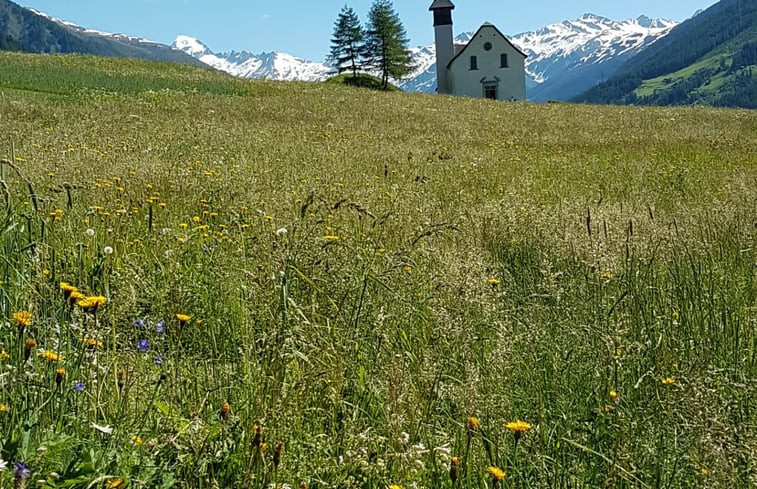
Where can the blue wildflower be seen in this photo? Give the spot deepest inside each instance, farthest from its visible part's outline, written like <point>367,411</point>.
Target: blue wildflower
<point>21,471</point>
<point>159,360</point>
<point>160,327</point>
<point>79,387</point>
<point>139,323</point>
<point>143,345</point>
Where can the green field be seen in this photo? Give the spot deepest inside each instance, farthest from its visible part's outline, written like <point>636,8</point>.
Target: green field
<point>364,273</point>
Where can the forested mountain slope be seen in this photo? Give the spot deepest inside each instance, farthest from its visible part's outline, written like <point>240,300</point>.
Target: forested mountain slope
<point>709,59</point>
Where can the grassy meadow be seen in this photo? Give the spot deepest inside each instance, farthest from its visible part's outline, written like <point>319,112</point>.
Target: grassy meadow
<point>317,286</point>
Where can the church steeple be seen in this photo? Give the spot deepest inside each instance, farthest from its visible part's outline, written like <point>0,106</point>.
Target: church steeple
<point>445,47</point>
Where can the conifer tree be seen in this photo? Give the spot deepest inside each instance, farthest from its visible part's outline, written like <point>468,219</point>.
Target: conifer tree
<point>386,43</point>
<point>347,42</point>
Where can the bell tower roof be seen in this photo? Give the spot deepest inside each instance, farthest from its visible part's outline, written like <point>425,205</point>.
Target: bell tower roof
<point>440,4</point>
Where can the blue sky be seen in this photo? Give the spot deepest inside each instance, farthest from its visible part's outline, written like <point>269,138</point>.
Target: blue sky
<point>303,28</point>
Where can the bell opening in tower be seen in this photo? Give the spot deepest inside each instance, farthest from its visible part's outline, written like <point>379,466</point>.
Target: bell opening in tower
<point>442,17</point>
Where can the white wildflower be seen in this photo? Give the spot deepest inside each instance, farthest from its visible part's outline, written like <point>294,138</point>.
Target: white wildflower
<point>108,250</point>
<point>281,232</point>
<point>102,429</point>
<point>3,465</point>
<point>90,232</point>
<point>404,438</point>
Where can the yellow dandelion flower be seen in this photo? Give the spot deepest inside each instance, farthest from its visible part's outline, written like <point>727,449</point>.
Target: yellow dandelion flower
<point>91,303</point>
<point>496,473</point>
<point>396,486</point>
<point>23,318</point>
<point>136,440</point>
<point>67,289</point>
<point>472,423</point>
<point>3,408</point>
<point>76,296</point>
<point>92,342</point>
<point>454,467</point>
<point>117,484</point>
<point>183,318</point>
<point>668,381</point>
<point>613,394</point>
<point>494,281</point>
<point>60,374</point>
<point>331,237</point>
<point>30,343</point>
<point>408,269</point>
<point>50,356</point>
<point>3,355</point>
<point>518,427</point>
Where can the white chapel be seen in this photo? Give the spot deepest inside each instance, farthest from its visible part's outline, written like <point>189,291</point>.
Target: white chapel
<point>488,66</point>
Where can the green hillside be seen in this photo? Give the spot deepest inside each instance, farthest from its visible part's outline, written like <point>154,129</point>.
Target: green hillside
<point>23,30</point>
<point>710,59</point>
<point>314,285</point>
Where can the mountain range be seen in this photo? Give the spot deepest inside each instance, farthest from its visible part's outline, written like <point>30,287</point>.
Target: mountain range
<point>563,59</point>
<point>707,59</point>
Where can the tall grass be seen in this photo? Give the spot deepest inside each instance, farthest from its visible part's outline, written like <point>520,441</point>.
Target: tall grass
<point>364,273</point>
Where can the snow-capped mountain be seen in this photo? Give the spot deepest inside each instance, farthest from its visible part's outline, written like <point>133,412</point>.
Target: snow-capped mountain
<point>269,66</point>
<point>563,59</point>
<point>567,58</point>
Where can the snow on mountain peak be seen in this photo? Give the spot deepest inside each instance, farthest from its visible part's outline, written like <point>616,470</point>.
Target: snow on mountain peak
<point>190,45</point>
<point>269,66</point>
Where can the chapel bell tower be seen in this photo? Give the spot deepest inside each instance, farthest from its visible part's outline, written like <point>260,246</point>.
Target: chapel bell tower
<point>445,46</point>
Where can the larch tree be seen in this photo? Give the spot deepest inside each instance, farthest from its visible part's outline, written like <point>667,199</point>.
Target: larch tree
<point>347,42</point>
<point>386,43</point>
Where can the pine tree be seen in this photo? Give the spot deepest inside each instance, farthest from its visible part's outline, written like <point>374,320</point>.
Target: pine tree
<point>386,42</point>
<point>347,43</point>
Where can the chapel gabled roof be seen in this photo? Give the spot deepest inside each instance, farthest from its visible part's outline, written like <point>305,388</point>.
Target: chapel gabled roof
<point>441,4</point>
<point>485,24</point>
